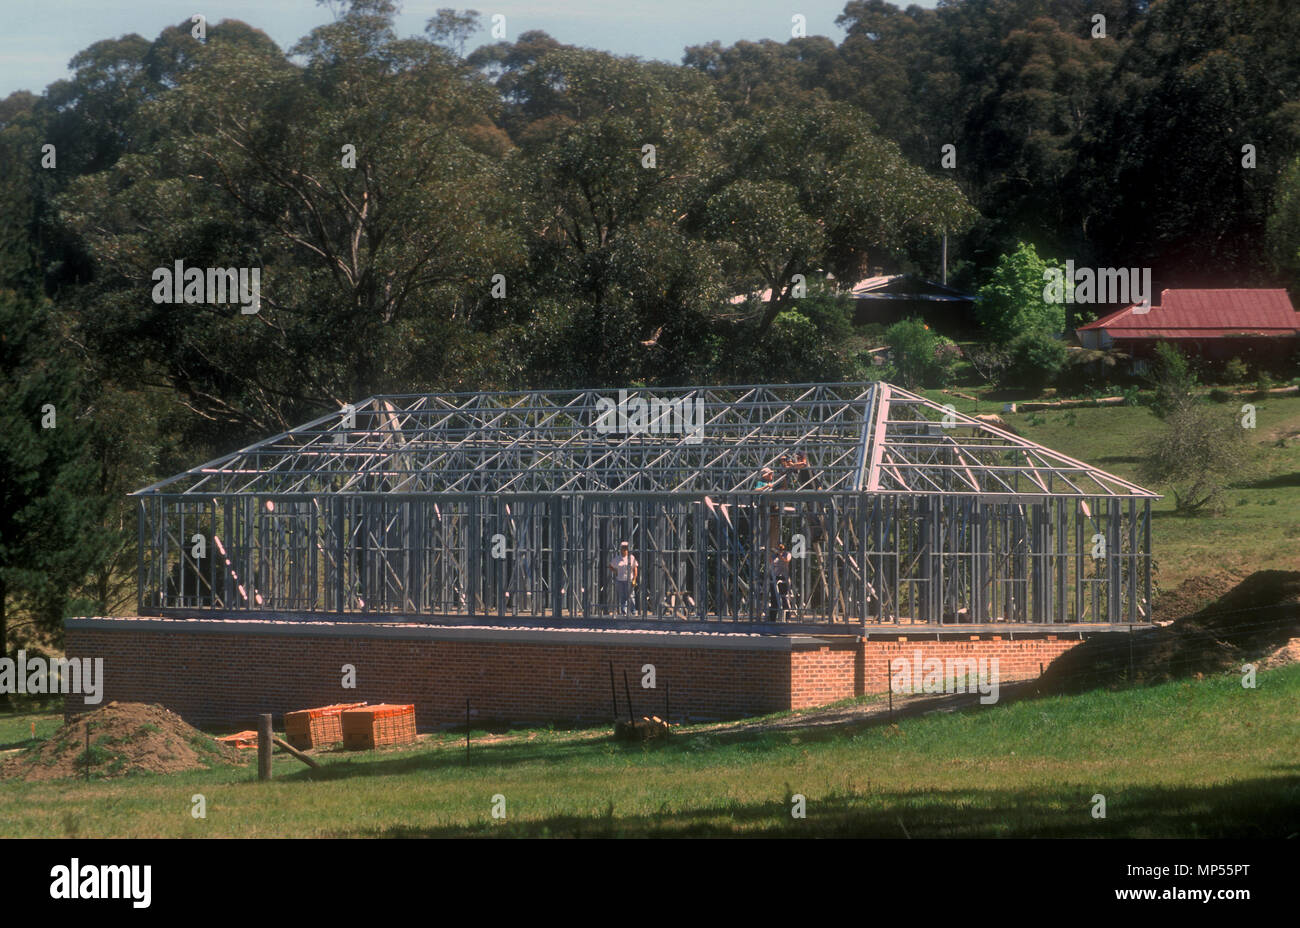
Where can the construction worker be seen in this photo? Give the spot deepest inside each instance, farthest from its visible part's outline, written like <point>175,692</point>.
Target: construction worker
<point>625,570</point>
<point>768,481</point>
<point>767,478</point>
<point>779,580</point>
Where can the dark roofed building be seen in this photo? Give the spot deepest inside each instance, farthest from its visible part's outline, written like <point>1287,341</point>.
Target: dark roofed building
<point>890,298</point>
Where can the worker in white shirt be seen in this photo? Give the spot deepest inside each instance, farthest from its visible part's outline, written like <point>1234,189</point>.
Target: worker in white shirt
<point>625,569</point>
<point>779,578</point>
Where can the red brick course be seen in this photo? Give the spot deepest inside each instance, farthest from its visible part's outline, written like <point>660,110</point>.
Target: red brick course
<point>1021,658</point>
<point>220,678</point>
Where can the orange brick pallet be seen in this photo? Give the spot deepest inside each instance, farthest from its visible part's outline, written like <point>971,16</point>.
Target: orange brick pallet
<point>314,728</point>
<point>376,726</point>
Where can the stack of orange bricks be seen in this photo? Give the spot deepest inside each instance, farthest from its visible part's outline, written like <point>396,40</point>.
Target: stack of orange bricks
<point>314,728</point>
<point>376,726</point>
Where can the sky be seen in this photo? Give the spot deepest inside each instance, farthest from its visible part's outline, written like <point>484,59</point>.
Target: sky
<point>39,37</point>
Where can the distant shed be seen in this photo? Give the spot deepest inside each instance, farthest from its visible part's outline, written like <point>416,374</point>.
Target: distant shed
<point>890,298</point>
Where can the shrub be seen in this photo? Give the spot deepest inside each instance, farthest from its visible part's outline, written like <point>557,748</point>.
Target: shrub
<point>1235,371</point>
<point>793,346</point>
<point>796,349</point>
<point>1036,359</point>
<point>1172,380</point>
<point>988,361</point>
<point>873,333</point>
<point>919,357</point>
<point>1090,371</point>
<point>1196,455</point>
<point>946,355</point>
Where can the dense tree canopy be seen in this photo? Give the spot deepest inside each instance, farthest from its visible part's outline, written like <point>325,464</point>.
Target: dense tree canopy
<point>535,214</point>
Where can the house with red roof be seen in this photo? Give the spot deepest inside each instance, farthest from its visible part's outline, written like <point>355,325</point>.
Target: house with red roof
<point>1216,324</point>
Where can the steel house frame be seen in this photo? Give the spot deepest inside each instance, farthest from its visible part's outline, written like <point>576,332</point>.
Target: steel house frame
<point>507,508</point>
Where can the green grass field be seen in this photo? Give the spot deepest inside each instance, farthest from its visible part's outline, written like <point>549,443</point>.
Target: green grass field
<point>1260,529</point>
<point>23,729</point>
<point>1196,758</point>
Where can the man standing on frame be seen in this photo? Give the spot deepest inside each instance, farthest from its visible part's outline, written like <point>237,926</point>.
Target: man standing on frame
<point>625,570</point>
<point>779,577</point>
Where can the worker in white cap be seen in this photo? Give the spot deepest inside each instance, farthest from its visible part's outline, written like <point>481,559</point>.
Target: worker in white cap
<point>624,568</point>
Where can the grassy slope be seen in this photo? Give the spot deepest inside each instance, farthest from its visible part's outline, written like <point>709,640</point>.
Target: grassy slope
<point>1202,758</point>
<point>16,728</point>
<point>1260,529</point>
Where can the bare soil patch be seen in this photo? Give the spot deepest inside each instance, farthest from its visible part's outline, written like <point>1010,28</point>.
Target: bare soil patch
<point>1193,595</point>
<point>1289,653</point>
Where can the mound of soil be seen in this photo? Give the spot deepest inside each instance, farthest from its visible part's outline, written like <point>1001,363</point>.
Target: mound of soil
<point>125,738</point>
<point>1289,653</point>
<point>1255,621</point>
<point>1192,595</point>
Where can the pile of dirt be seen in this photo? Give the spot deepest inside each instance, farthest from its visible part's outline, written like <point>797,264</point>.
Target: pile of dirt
<point>125,738</point>
<point>1289,653</point>
<point>1254,622</point>
<point>1193,595</point>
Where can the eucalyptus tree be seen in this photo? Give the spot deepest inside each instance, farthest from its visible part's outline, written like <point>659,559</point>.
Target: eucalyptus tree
<point>352,173</point>
<point>811,189</point>
<point>49,510</point>
<point>613,156</point>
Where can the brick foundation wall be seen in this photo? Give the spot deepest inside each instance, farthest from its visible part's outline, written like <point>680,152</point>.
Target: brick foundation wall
<point>214,673</point>
<point>825,673</point>
<point>1018,659</point>
<point>229,678</point>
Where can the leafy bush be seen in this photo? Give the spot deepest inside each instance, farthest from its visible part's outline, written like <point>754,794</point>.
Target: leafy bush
<point>1093,372</point>
<point>873,333</point>
<point>1235,371</point>
<point>813,340</point>
<point>1035,361</point>
<point>1012,301</point>
<point>830,312</point>
<point>1172,380</point>
<point>793,346</point>
<point>918,356</point>
<point>946,355</point>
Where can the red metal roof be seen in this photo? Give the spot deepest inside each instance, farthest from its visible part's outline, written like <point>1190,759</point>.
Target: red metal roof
<point>1205,314</point>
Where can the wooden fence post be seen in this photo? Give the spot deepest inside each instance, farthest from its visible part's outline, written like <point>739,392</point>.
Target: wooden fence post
<point>264,746</point>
